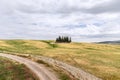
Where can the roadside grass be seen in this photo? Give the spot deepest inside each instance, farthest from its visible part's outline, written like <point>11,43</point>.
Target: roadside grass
<point>62,75</point>
<point>10,70</point>
<point>102,60</point>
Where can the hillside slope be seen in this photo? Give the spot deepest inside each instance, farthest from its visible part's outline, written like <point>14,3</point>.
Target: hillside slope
<point>102,60</point>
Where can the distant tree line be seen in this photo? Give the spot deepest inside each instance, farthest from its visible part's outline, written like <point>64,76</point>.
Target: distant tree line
<point>63,39</point>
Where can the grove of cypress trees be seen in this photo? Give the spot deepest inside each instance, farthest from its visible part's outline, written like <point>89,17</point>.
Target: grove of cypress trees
<point>63,39</point>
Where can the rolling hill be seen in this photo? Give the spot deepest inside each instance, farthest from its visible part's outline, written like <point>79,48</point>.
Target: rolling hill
<point>101,60</point>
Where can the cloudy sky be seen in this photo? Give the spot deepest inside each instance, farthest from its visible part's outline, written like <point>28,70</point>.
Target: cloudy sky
<point>83,20</point>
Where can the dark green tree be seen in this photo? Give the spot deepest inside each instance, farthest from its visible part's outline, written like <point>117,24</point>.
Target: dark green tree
<point>63,39</point>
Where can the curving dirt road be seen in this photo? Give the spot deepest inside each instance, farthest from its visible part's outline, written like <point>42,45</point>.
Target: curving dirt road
<point>38,69</point>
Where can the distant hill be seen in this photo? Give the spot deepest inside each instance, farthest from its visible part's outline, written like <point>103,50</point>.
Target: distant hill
<point>110,42</point>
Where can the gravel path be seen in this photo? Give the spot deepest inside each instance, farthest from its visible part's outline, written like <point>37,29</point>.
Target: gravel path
<point>76,72</point>
<point>38,69</point>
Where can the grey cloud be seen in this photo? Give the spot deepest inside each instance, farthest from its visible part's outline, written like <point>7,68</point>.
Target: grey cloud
<point>26,19</point>
<point>107,7</point>
<point>60,7</point>
<point>65,8</point>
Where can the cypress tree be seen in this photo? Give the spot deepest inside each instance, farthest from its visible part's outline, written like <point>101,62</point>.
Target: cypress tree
<point>59,39</point>
<point>70,40</point>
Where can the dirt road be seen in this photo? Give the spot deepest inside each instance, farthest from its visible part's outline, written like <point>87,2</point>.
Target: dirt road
<point>38,69</point>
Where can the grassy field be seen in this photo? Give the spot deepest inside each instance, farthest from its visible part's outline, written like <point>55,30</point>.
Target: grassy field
<point>99,59</point>
<point>10,70</point>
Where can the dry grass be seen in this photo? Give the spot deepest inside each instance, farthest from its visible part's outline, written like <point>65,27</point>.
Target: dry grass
<point>10,70</point>
<point>4,44</point>
<point>99,59</point>
<point>36,44</point>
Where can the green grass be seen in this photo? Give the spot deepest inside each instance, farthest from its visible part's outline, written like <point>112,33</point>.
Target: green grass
<point>60,73</point>
<point>10,70</point>
<point>99,59</point>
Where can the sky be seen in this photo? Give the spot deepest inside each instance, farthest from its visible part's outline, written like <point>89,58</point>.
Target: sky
<point>83,20</point>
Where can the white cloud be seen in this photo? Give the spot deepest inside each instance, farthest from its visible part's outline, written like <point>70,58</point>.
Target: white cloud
<point>46,19</point>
